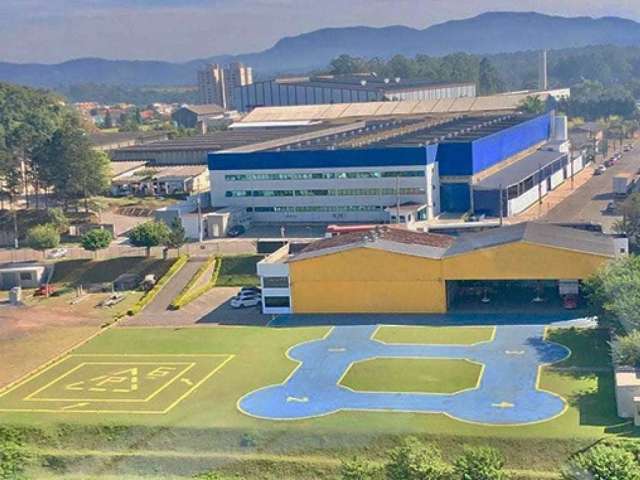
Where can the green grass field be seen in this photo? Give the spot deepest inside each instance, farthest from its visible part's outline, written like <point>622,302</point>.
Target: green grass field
<point>412,375</point>
<point>239,271</point>
<point>435,335</point>
<point>192,424</point>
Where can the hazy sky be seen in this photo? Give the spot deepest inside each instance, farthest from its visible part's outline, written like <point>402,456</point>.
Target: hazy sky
<point>57,30</point>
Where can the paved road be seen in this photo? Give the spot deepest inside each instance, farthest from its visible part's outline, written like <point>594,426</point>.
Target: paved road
<point>161,303</point>
<point>587,203</point>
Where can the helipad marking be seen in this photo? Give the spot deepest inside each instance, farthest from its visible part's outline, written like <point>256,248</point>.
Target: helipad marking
<point>503,405</point>
<point>298,399</point>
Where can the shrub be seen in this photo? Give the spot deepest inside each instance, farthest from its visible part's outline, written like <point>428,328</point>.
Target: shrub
<point>626,349</point>
<point>43,237</point>
<point>13,455</point>
<point>358,469</point>
<point>96,239</point>
<point>603,463</point>
<point>480,463</point>
<point>414,461</point>
<point>149,234</point>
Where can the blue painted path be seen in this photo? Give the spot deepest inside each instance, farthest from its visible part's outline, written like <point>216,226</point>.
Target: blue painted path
<point>507,393</point>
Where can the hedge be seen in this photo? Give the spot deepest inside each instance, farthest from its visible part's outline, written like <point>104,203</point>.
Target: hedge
<point>187,296</point>
<point>151,294</point>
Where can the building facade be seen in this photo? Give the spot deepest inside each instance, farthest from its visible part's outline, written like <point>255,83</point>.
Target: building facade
<point>387,270</point>
<point>327,186</point>
<point>343,89</point>
<point>216,83</point>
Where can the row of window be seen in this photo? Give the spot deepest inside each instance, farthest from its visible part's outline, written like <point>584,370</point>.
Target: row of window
<point>336,208</point>
<point>275,282</point>
<point>254,177</point>
<point>326,193</point>
<point>277,302</point>
<point>515,191</point>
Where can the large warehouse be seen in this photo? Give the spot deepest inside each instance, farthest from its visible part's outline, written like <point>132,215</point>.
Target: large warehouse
<point>400,171</point>
<point>391,270</point>
<point>330,89</point>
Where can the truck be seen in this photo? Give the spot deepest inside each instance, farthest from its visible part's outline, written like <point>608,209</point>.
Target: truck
<point>623,183</point>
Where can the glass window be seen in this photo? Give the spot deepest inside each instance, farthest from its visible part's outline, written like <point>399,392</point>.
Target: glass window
<point>25,276</point>
<point>277,302</point>
<point>275,282</point>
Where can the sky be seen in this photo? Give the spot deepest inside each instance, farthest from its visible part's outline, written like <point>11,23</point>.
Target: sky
<point>51,31</point>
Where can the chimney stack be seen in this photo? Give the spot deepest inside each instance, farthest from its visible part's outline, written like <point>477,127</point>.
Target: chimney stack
<point>543,78</point>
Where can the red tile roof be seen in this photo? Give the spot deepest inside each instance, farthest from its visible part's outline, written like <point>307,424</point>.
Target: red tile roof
<point>390,234</point>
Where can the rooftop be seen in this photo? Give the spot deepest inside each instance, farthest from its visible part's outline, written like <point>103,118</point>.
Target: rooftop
<point>517,172</point>
<point>207,109</point>
<point>538,233</point>
<point>368,82</point>
<point>100,139</point>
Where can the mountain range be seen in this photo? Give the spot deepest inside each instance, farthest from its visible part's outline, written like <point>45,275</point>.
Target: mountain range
<point>489,33</point>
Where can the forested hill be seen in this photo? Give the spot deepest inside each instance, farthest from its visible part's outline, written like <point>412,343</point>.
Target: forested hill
<point>489,33</point>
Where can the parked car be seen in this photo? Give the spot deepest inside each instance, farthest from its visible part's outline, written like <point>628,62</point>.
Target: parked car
<point>570,302</point>
<point>253,290</point>
<point>600,170</point>
<point>59,252</point>
<point>236,231</point>
<point>245,301</point>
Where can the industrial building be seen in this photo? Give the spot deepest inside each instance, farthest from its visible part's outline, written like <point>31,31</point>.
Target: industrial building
<point>390,270</point>
<point>332,89</point>
<point>400,170</point>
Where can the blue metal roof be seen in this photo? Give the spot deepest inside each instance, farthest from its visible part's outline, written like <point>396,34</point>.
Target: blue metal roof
<point>297,159</point>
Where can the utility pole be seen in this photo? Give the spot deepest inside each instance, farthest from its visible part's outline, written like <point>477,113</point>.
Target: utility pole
<point>501,205</point>
<point>200,232</point>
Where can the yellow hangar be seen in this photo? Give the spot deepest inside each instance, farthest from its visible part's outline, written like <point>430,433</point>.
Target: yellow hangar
<point>390,270</point>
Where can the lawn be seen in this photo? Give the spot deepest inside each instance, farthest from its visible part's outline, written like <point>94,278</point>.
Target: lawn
<point>412,375</point>
<point>205,430</point>
<point>239,271</point>
<point>83,272</point>
<point>435,335</point>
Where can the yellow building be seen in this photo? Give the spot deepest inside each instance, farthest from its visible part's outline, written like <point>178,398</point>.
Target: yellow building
<point>388,270</point>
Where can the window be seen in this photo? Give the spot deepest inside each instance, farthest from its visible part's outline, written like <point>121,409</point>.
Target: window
<point>277,302</point>
<point>25,276</point>
<point>275,282</point>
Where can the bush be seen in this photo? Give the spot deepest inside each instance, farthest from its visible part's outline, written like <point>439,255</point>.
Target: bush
<point>480,463</point>
<point>415,461</point>
<point>357,469</point>
<point>43,237</point>
<point>13,455</point>
<point>149,234</point>
<point>626,349</point>
<point>96,239</point>
<point>603,463</point>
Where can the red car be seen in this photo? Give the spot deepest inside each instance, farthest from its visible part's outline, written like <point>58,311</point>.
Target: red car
<point>570,302</point>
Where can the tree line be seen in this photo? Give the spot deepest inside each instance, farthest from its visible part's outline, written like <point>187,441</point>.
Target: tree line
<point>45,151</point>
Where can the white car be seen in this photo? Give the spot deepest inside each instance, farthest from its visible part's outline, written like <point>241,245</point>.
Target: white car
<point>244,301</point>
<point>60,252</point>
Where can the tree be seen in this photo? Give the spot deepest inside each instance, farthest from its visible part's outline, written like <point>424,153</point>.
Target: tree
<point>96,239</point>
<point>149,234</point>
<point>630,223</point>
<point>357,469</point>
<point>57,218</point>
<point>532,104</point>
<point>626,349</point>
<point>489,81</point>
<point>43,237</point>
<point>481,463</point>
<point>603,463</point>
<point>414,461</point>
<point>177,235</point>
<point>613,292</point>
<point>108,120</point>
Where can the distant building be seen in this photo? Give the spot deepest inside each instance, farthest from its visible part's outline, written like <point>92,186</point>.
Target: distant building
<point>328,89</point>
<point>114,140</point>
<point>189,116</point>
<point>216,83</point>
